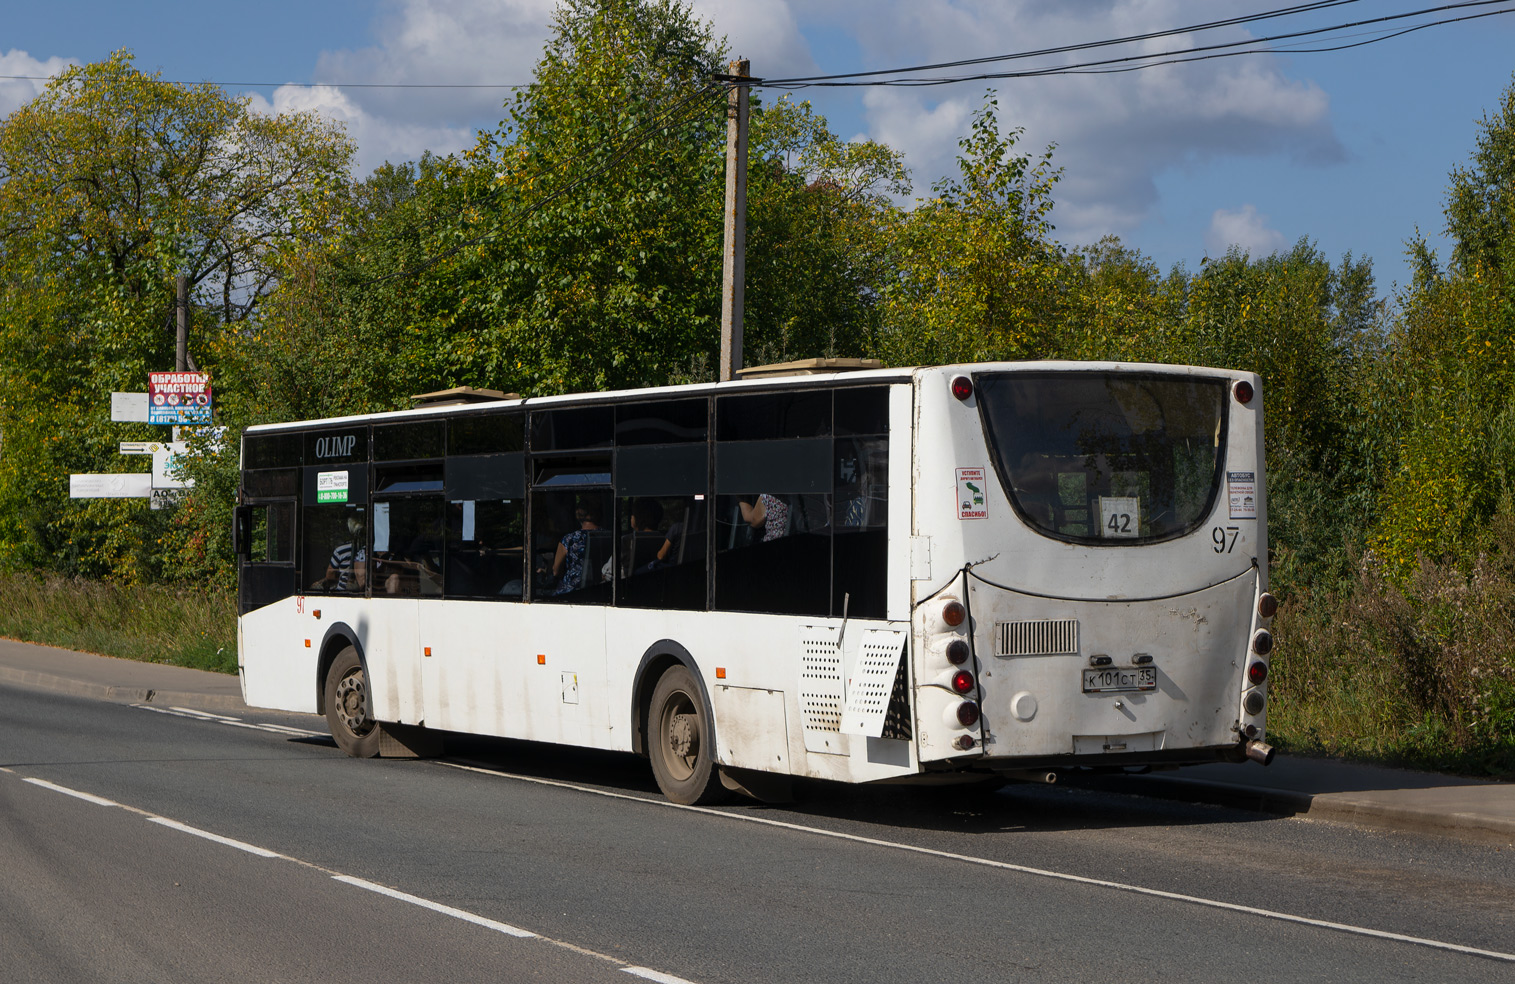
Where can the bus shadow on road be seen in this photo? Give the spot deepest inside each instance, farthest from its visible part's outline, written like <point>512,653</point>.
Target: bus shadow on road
<point>987,806</point>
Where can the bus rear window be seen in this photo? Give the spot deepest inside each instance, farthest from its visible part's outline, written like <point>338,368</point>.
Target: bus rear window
<point>1106,458</point>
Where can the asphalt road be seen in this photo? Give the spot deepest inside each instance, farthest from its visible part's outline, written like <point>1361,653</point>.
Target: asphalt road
<point>143,845</point>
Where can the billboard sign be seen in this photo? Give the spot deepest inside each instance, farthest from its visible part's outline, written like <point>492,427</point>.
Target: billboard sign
<point>129,485</point>
<point>178,398</point>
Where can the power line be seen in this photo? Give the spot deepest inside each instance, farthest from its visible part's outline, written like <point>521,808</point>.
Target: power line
<point>1086,45</point>
<point>1132,62</point>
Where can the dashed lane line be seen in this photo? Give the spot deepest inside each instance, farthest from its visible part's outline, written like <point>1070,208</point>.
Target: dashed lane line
<point>446,910</point>
<point>229,721</point>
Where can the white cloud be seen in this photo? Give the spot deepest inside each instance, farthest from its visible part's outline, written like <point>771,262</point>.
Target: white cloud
<point>762,31</point>
<point>1115,134</point>
<point>1243,227</point>
<point>17,92</point>
<point>379,138</point>
<point>485,43</point>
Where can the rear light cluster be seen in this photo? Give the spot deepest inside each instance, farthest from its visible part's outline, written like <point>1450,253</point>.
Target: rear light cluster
<point>959,653</point>
<point>1256,699</point>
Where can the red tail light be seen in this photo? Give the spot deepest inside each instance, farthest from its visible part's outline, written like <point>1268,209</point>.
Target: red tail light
<point>1257,672</point>
<point>967,714</point>
<point>1243,392</point>
<point>962,387</point>
<point>962,681</point>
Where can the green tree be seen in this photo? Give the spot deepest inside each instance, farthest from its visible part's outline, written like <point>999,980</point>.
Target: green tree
<point>815,269</point>
<point>977,275</point>
<point>111,182</point>
<point>1451,366</point>
<point>1480,207</point>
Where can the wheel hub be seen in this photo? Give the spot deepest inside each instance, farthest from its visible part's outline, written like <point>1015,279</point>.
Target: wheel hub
<point>352,702</point>
<point>683,736</point>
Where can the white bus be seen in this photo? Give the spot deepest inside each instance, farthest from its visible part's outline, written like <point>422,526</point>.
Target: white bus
<point>1000,568</point>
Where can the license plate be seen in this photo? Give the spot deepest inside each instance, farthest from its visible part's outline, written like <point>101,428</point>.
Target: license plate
<point>1120,679</point>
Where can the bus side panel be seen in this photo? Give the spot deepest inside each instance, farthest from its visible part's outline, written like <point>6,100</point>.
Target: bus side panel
<point>535,672</point>
<point>759,720</point>
<point>277,670</point>
<point>388,630</point>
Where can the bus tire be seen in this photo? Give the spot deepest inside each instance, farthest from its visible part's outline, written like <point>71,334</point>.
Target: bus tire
<point>349,706</point>
<point>679,741</point>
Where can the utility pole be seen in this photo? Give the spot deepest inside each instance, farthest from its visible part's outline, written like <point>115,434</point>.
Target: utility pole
<point>734,263</point>
<point>181,346</point>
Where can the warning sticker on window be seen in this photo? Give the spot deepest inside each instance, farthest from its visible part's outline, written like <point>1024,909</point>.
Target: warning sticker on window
<point>971,503</point>
<point>1241,489</point>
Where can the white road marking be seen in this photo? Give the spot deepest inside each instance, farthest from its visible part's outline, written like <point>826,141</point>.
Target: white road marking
<point>239,845</point>
<point>1007,866</point>
<point>233,722</point>
<point>87,797</point>
<point>654,975</point>
<point>446,910</point>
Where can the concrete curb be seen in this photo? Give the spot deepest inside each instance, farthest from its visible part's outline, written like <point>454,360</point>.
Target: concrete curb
<point>125,695</point>
<point>1337,807</point>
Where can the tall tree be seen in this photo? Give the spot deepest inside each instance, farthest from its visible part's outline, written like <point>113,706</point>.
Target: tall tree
<point>112,181</point>
<point>979,276</point>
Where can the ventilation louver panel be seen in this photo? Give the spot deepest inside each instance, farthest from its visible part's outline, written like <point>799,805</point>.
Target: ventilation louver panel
<point>1039,637</point>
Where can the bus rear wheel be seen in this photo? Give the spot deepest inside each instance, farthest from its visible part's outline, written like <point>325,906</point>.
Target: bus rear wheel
<point>679,741</point>
<point>349,708</point>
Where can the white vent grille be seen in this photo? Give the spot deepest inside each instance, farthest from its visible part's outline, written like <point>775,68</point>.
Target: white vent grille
<point>1042,637</point>
<point>872,683</point>
<point>820,681</point>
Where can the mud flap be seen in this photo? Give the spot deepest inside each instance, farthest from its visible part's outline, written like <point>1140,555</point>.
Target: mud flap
<point>408,741</point>
<point>765,787</point>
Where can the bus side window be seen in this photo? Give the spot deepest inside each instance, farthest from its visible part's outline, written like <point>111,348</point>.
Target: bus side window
<point>572,541</point>
<point>860,541</point>
<point>486,511</point>
<point>662,552</point>
<point>270,535</point>
<point>485,545</point>
<point>407,546</point>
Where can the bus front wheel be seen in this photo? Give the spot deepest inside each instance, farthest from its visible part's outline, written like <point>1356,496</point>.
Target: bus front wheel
<point>679,741</point>
<point>349,708</point>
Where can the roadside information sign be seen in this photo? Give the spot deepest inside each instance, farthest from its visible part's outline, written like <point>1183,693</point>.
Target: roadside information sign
<point>129,485</point>
<point>178,398</point>
<point>128,408</point>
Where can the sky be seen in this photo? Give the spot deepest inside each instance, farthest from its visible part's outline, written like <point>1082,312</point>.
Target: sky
<point>1349,149</point>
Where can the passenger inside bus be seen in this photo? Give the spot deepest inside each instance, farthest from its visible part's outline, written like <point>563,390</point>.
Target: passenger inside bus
<point>767,513</point>
<point>572,561</point>
<point>641,548</point>
<point>347,570</point>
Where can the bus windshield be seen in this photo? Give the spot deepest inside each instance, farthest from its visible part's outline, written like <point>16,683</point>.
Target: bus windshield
<point>1106,458</point>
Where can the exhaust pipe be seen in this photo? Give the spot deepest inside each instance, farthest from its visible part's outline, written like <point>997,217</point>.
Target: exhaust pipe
<point>1030,775</point>
<point>1260,752</point>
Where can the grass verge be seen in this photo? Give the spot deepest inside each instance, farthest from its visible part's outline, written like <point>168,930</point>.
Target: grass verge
<point>181,626</point>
